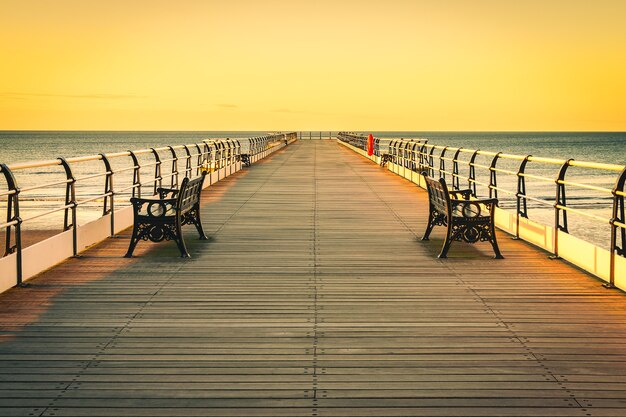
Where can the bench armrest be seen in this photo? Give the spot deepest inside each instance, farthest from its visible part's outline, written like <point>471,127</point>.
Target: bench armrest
<point>154,207</point>
<point>485,201</point>
<point>466,194</point>
<point>474,208</point>
<point>165,191</point>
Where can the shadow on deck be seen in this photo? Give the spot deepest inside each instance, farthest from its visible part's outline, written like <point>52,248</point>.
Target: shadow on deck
<point>314,296</point>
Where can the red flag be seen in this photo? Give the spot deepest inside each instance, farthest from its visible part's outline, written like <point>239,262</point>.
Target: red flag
<point>370,145</point>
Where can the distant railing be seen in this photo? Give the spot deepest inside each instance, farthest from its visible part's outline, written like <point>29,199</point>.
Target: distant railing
<point>447,162</point>
<point>169,163</point>
<point>316,135</point>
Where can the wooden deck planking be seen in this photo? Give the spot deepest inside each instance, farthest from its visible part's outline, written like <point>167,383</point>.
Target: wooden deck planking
<point>314,296</point>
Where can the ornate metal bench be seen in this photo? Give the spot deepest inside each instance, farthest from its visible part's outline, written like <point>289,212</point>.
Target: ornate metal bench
<point>384,158</point>
<point>161,218</point>
<point>245,159</point>
<point>466,220</point>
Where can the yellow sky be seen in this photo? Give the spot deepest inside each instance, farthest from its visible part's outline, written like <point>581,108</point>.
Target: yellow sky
<point>307,64</point>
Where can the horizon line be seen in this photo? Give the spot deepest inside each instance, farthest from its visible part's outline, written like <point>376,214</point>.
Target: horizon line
<point>326,130</point>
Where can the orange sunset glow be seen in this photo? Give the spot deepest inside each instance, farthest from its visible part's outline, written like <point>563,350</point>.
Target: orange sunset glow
<point>327,64</point>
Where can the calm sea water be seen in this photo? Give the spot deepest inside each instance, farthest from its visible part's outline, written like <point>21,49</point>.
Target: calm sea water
<point>609,147</point>
<point>20,146</point>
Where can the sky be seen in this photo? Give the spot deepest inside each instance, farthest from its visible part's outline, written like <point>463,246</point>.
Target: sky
<point>421,65</point>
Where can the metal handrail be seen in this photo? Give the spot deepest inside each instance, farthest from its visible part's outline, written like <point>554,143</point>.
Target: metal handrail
<point>94,198</point>
<point>49,184</point>
<point>432,158</point>
<point>10,192</point>
<point>536,177</point>
<point>54,210</point>
<point>90,177</point>
<point>211,154</point>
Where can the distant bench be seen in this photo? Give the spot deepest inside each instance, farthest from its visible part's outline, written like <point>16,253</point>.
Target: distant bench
<point>466,220</point>
<point>245,159</point>
<point>159,219</point>
<point>384,158</point>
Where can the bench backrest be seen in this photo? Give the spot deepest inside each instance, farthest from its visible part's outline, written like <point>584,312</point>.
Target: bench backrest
<point>438,194</point>
<point>189,194</point>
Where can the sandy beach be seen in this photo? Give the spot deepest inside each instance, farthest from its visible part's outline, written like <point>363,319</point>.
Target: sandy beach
<point>30,237</point>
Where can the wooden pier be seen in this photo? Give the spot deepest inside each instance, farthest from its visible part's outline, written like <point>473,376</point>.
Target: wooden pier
<point>313,297</point>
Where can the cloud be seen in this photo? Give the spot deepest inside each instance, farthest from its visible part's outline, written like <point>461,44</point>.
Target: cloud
<point>228,106</point>
<point>22,96</point>
<point>282,110</point>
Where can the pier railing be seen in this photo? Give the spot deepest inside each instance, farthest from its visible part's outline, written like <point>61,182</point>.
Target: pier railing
<point>317,135</point>
<point>118,176</point>
<point>507,175</point>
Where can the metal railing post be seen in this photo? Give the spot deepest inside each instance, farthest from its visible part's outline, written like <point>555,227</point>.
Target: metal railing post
<point>396,154</point>
<point>174,172</point>
<point>199,158</point>
<point>618,221</point>
<point>414,157</point>
<point>456,181</point>
<point>405,157</point>
<point>187,162</point>
<point>70,205</point>
<point>397,145</point>
<point>422,162</point>
<point>237,150</point>
<point>431,163</point>
<point>222,147</point>
<point>157,170</point>
<point>392,151</point>
<point>520,196</point>
<point>219,157</point>
<point>231,154</point>
<point>471,179</point>
<point>136,175</point>
<point>493,177</point>
<point>13,221</point>
<point>442,163</point>
<point>560,214</point>
<point>108,193</point>
<point>226,144</point>
<point>207,155</point>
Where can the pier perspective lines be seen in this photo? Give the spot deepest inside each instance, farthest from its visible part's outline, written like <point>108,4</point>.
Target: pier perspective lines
<point>313,296</point>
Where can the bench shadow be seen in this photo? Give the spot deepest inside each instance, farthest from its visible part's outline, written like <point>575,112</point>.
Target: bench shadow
<point>21,307</point>
<point>458,250</point>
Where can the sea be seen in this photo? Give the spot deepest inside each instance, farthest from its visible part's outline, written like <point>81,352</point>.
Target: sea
<point>606,147</point>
